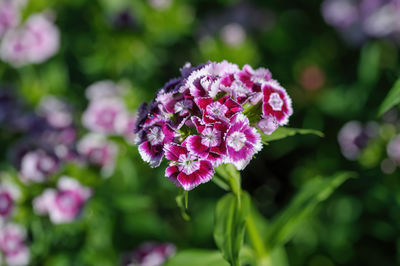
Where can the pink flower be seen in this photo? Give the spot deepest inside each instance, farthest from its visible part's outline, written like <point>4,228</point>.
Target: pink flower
<point>209,144</point>
<point>267,124</point>
<point>6,204</point>
<point>276,102</point>
<point>353,137</point>
<point>207,117</point>
<point>63,204</point>
<point>152,141</point>
<point>98,151</point>
<point>34,42</point>
<point>102,114</point>
<point>37,166</point>
<point>57,113</point>
<point>242,142</point>
<point>12,238</point>
<point>9,16</point>
<point>42,40</point>
<point>151,254</point>
<point>186,169</point>
<point>251,77</point>
<point>103,89</point>
<point>393,149</point>
<point>220,110</point>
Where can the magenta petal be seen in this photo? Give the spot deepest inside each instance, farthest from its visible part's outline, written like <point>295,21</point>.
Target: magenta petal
<point>188,182</point>
<point>202,102</point>
<point>206,171</point>
<point>194,145</point>
<point>198,124</point>
<point>172,173</point>
<point>151,154</point>
<point>173,151</point>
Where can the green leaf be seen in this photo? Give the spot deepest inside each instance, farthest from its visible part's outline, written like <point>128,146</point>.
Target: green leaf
<point>392,99</point>
<point>182,202</point>
<point>230,220</point>
<point>282,228</point>
<point>197,257</point>
<point>284,132</point>
<point>368,67</point>
<point>230,177</point>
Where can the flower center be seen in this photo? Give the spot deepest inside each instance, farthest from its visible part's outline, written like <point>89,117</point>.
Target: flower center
<point>216,109</point>
<point>68,201</point>
<point>5,203</point>
<point>46,164</point>
<point>155,136</point>
<point>237,140</point>
<point>187,164</point>
<point>275,101</point>
<point>211,137</point>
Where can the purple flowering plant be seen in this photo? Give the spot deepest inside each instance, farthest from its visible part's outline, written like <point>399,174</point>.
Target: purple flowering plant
<point>209,124</point>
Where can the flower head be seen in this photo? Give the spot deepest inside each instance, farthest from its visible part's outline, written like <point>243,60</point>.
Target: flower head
<point>151,254</point>
<point>207,117</point>
<point>12,245</point>
<point>63,204</point>
<point>38,165</point>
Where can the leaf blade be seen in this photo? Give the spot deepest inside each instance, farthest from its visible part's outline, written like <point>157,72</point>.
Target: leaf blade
<point>391,99</point>
<point>282,228</point>
<point>284,132</point>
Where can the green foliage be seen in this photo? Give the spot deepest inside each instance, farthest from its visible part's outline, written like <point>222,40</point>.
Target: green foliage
<point>230,220</point>
<point>284,132</point>
<point>197,258</point>
<point>282,228</point>
<point>392,99</point>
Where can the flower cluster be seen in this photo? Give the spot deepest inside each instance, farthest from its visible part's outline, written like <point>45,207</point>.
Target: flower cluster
<point>49,136</point>
<point>106,115</point>
<point>33,42</point>
<point>210,116</point>
<point>150,254</point>
<point>12,245</point>
<point>358,19</point>
<point>9,194</point>
<point>63,204</point>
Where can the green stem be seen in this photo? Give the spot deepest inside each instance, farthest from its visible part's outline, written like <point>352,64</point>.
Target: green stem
<point>255,237</point>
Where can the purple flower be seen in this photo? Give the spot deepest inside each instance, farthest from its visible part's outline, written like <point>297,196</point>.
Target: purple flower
<point>276,102</point>
<point>209,144</point>
<point>151,254</point>
<point>207,117</point>
<point>63,204</point>
<point>12,238</point>
<point>393,149</point>
<point>267,124</point>
<point>102,114</point>
<point>152,141</point>
<point>242,142</point>
<point>38,165</point>
<point>353,137</point>
<point>9,15</point>
<point>34,42</point>
<point>103,89</point>
<point>186,169</point>
<point>57,113</point>
<point>99,151</point>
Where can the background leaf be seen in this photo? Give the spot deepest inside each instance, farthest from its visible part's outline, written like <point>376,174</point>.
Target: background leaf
<point>282,228</point>
<point>284,132</point>
<point>392,99</point>
<point>230,220</point>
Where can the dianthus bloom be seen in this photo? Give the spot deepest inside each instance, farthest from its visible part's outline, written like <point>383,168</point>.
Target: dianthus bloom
<point>150,254</point>
<point>9,193</point>
<point>63,204</point>
<point>354,137</point>
<point>32,43</point>
<point>12,245</point>
<point>210,116</point>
